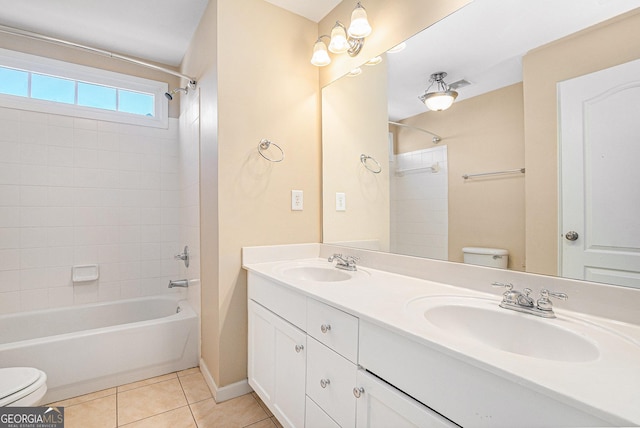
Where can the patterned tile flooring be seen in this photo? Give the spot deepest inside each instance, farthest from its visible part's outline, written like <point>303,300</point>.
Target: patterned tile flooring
<point>176,400</point>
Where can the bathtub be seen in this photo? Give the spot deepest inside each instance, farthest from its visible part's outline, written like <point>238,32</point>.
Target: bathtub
<point>91,347</point>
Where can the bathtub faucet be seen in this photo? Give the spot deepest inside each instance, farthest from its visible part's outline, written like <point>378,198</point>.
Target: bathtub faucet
<point>179,283</point>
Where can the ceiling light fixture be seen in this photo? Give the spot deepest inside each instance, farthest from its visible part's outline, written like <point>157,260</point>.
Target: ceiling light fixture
<point>343,39</point>
<point>442,98</point>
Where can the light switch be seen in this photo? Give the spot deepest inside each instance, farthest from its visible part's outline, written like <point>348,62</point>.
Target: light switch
<point>341,202</point>
<point>296,200</point>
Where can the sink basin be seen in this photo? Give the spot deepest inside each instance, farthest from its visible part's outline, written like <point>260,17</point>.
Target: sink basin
<point>482,321</point>
<point>315,273</point>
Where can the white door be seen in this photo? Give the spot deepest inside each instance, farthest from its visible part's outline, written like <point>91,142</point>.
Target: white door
<point>600,175</point>
<point>277,364</point>
<point>380,405</point>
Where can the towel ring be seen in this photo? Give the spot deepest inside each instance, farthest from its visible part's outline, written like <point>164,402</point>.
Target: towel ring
<point>264,145</point>
<point>364,158</point>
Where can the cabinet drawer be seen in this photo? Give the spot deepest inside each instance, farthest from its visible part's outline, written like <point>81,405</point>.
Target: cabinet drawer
<point>288,304</point>
<point>330,382</point>
<point>333,327</point>
<point>317,418</point>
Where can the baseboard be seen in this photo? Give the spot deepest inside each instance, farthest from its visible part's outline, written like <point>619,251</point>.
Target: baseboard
<point>226,392</point>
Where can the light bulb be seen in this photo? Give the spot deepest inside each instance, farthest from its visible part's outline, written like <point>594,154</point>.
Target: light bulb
<point>320,55</point>
<point>359,27</point>
<point>339,43</point>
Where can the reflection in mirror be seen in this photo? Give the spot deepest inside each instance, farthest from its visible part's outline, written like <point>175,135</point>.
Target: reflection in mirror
<point>420,204</point>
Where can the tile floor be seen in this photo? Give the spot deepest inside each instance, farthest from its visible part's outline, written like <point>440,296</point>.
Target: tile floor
<point>176,400</point>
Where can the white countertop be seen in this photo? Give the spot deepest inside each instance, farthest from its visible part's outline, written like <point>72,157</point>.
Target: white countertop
<point>607,387</point>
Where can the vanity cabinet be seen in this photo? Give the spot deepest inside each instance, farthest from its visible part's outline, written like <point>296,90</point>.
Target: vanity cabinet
<point>379,405</point>
<point>304,365</point>
<point>277,364</point>
<point>468,395</point>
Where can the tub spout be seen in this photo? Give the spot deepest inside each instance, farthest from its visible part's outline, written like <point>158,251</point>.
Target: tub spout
<point>179,283</point>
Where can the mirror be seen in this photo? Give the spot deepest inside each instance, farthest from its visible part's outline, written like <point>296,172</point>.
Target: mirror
<point>419,203</point>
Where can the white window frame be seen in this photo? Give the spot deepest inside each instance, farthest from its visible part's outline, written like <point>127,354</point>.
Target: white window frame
<point>81,73</point>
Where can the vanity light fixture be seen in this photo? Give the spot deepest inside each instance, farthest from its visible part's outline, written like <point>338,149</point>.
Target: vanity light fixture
<point>442,98</point>
<point>343,39</point>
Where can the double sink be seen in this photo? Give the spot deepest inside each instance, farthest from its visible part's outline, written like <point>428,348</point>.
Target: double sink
<point>479,321</point>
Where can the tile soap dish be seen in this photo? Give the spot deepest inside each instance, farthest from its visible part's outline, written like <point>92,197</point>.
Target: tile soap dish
<point>85,273</point>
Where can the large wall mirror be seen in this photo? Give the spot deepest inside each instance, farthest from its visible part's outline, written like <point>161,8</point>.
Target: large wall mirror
<point>400,178</point>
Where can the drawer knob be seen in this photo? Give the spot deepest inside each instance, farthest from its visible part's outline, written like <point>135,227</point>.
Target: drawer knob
<point>325,328</point>
<point>299,348</point>
<point>357,392</point>
<point>324,382</point>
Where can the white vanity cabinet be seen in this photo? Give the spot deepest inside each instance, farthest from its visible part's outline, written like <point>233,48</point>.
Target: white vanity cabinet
<point>379,405</point>
<point>277,349</point>
<point>277,364</point>
<point>303,363</point>
<point>468,395</point>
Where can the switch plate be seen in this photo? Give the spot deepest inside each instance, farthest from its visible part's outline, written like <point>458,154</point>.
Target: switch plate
<point>296,200</point>
<point>341,201</point>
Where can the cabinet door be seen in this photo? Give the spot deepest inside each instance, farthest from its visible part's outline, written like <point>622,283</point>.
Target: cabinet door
<point>380,405</point>
<point>277,364</point>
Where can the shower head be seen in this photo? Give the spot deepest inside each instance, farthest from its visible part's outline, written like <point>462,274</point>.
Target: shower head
<point>190,85</point>
<point>171,93</point>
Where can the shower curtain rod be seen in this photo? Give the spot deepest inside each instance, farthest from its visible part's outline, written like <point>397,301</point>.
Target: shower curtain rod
<point>436,138</point>
<point>37,36</point>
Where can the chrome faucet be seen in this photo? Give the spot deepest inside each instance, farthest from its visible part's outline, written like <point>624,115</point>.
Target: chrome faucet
<point>179,283</point>
<point>344,262</point>
<point>521,302</point>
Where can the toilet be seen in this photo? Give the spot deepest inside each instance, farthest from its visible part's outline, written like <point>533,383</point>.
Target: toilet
<point>22,386</point>
<point>491,257</point>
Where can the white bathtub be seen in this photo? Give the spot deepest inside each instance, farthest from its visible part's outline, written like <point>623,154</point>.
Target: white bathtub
<point>91,347</point>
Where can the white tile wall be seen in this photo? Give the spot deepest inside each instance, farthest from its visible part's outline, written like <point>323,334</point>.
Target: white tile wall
<point>80,191</point>
<point>419,204</point>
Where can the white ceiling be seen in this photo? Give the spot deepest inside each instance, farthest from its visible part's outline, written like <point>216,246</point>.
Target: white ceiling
<point>484,43</point>
<point>313,10</point>
<point>156,30</point>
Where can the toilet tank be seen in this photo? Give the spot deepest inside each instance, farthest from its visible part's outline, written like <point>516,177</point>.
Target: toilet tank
<point>491,257</point>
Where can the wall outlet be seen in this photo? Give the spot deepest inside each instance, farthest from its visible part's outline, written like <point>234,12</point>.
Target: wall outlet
<point>296,200</point>
<point>341,202</point>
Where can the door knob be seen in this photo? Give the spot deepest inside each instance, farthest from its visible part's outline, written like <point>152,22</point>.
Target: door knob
<point>571,236</point>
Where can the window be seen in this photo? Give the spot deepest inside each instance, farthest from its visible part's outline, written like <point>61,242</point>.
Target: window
<point>41,84</point>
<point>14,82</point>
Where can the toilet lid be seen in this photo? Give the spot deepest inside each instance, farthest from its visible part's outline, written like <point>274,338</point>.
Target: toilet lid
<point>15,379</point>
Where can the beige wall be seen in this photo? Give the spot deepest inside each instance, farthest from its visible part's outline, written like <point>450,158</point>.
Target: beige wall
<point>482,134</point>
<point>77,56</point>
<point>354,122</point>
<point>392,22</point>
<point>612,43</point>
<point>255,84</point>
